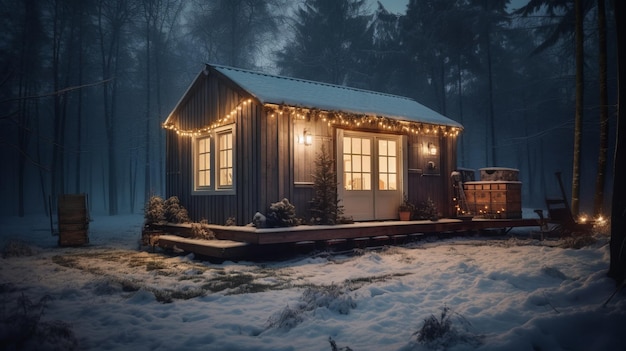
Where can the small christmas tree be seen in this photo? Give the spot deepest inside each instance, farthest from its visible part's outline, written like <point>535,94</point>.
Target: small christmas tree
<point>325,208</point>
<point>426,210</point>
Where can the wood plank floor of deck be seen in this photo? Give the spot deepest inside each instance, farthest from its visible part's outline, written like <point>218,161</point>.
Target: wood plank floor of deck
<point>222,249</point>
<point>237,242</point>
<point>265,236</point>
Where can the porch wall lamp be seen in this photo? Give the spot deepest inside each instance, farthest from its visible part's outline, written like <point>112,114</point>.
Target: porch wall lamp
<point>432,149</point>
<point>306,138</point>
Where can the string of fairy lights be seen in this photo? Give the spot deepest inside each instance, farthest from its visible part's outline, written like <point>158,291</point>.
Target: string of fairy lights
<point>346,120</point>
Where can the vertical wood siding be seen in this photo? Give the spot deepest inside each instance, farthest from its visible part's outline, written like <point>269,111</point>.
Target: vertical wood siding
<point>304,158</point>
<point>438,186</point>
<point>210,99</point>
<point>269,163</point>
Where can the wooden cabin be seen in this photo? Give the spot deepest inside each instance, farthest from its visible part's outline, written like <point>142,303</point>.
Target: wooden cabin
<point>240,140</point>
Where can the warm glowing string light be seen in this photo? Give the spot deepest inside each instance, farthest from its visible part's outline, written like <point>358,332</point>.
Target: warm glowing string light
<point>356,121</point>
<point>228,119</point>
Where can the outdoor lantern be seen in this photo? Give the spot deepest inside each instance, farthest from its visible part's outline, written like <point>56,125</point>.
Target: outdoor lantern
<point>432,149</point>
<point>306,138</point>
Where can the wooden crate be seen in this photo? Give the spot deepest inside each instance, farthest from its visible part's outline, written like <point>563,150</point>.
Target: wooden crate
<point>494,199</point>
<point>73,220</point>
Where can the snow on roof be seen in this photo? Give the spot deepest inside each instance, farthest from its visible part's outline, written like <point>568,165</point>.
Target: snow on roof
<point>270,89</point>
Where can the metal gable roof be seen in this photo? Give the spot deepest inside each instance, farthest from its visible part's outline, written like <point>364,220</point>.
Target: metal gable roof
<point>309,94</point>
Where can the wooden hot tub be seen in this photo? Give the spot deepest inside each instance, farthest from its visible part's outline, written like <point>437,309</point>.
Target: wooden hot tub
<point>497,195</point>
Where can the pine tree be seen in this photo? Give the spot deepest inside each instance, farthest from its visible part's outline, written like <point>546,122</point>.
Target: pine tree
<point>325,208</point>
<point>329,41</point>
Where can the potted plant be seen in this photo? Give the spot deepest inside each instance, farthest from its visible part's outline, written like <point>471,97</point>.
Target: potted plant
<point>406,209</point>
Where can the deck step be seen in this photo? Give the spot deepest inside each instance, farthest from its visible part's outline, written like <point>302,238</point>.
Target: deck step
<point>338,241</point>
<point>416,236</point>
<point>399,239</point>
<point>361,242</point>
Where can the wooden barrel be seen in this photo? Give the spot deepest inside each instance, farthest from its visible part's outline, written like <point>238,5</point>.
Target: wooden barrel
<point>73,219</point>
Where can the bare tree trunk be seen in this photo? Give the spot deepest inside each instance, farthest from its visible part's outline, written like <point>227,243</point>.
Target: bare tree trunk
<point>79,112</point>
<point>56,175</point>
<point>617,267</point>
<point>578,119</point>
<point>598,201</point>
<point>26,110</point>
<point>159,131</point>
<point>148,12</point>
<point>22,134</point>
<point>460,91</point>
<point>492,122</point>
<point>111,139</point>
<point>442,90</point>
<point>530,182</point>
<point>116,16</point>
<point>133,180</point>
<point>23,138</point>
<point>167,15</point>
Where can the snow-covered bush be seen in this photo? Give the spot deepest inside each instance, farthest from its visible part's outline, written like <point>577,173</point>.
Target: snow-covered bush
<point>230,221</point>
<point>16,248</point>
<point>334,347</point>
<point>23,327</point>
<point>259,220</point>
<point>282,214</point>
<point>154,211</point>
<point>435,328</point>
<point>578,241</point>
<point>440,333</point>
<point>287,319</point>
<point>202,231</point>
<point>175,212</point>
<point>332,297</point>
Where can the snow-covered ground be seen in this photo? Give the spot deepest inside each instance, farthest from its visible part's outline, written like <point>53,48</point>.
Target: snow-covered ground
<point>500,294</point>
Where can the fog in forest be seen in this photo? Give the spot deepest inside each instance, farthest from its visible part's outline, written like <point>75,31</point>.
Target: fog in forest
<point>86,84</point>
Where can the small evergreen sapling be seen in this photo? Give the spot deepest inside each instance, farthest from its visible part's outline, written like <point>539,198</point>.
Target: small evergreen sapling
<point>426,210</point>
<point>325,208</point>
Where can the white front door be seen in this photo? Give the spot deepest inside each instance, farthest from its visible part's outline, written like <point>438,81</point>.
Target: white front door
<point>371,174</point>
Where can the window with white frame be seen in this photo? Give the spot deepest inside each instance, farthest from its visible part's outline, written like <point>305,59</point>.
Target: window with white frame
<point>387,165</point>
<point>225,159</point>
<point>213,160</point>
<point>203,159</point>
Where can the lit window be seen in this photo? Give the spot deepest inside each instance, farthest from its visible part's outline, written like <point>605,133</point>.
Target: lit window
<point>387,165</point>
<point>213,162</point>
<point>204,162</point>
<point>225,159</point>
<point>357,173</point>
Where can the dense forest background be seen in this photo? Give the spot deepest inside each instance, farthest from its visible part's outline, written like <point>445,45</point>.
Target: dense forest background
<point>86,84</point>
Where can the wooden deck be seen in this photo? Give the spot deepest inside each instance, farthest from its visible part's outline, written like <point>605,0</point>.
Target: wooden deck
<point>266,236</point>
<point>243,242</point>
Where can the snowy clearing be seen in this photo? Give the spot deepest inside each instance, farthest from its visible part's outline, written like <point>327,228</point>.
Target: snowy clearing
<point>499,294</point>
